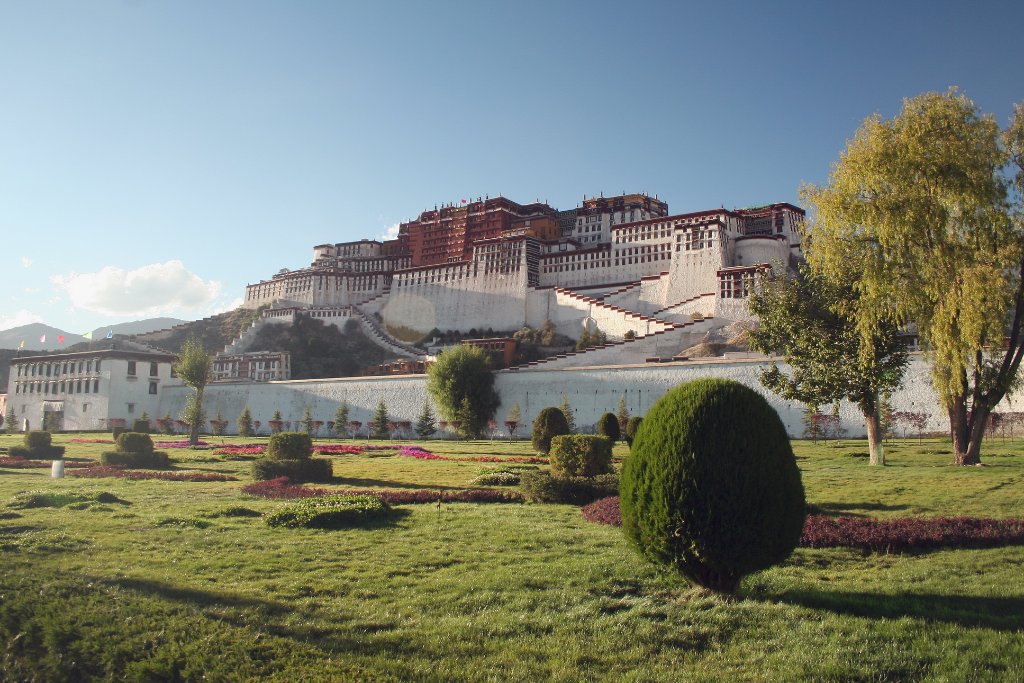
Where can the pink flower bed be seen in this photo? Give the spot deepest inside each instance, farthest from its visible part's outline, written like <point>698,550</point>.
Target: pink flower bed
<point>875,535</point>
<point>104,471</point>
<point>338,449</point>
<point>183,443</point>
<point>282,488</point>
<point>22,463</point>
<point>241,449</point>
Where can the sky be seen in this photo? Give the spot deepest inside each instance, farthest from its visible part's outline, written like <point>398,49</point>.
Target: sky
<point>157,156</point>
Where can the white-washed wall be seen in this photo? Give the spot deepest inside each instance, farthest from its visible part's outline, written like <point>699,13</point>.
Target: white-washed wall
<point>591,391</point>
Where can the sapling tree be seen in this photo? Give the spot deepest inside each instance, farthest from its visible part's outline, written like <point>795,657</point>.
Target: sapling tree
<point>195,368</point>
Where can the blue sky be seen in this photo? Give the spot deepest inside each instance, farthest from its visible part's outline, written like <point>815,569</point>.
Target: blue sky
<point>155,157</point>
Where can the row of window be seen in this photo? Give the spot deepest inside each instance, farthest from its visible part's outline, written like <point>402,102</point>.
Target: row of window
<point>154,369</point>
<point>68,386</point>
<point>56,369</point>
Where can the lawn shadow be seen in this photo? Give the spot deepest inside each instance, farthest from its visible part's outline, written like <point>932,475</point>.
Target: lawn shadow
<point>997,613</point>
<point>253,612</point>
<point>848,509</point>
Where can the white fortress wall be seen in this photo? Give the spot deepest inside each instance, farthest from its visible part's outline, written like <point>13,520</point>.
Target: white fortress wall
<point>591,391</point>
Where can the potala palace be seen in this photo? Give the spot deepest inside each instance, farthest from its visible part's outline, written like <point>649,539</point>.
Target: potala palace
<point>654,284</point>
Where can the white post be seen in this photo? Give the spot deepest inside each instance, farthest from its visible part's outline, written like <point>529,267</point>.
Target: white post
<point>57,469</point>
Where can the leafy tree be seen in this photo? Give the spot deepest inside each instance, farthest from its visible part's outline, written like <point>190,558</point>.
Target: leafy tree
<point>512,420</point>
<point>341,426</point>
<point>379,425</point>
<point>622,413</point>
<point>463,373</point>
<point>927,207</point>
<point>10,422</point>
<point>570,414</point>
<point>426,423</point>
<point>245,423</point>
<point>308,421</point>
<point>219,424</point>
<point>195,368</point>
<point>814,324</point>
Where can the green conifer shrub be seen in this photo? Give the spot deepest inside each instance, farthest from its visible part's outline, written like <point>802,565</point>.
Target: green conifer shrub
<point>290,446</point>
<point>711,487</point>
<point>548,424</point>
<point>608,425</point>
<point>632,427</point>
<point>580,455</point>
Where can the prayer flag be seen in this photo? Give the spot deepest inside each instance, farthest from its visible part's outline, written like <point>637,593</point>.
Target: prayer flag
<point>110,334</point>
<point>42,339</point>
<point>22,344</point>
<point>60,339</point>
<point>88,335</point>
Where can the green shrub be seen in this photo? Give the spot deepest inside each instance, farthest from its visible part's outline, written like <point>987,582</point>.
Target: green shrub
<point>40,453</point>
<point>548,424</point>
<point>580,455</point>
<point>154,460</point>
<point>297,469</point>
<point>711,487</point>
<point>632,426</point>
<point>290,446</point>
<point>135,442</point>
<point>140,426</point>
<point>34,440</point>
<point>502,478</point>
<point>329,512</point>
<point>608,425</point>
<point>118,431</point>
<point>541,487</point>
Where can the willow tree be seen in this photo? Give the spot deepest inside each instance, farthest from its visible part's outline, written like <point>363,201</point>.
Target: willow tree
<point>195,368</point>
<point>922,214</point>
<point>813,322</point>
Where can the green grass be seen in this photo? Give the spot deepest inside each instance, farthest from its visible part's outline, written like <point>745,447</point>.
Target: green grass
<point>179,580</point>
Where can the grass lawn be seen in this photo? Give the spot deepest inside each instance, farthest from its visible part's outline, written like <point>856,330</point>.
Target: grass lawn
<point>184,581</point>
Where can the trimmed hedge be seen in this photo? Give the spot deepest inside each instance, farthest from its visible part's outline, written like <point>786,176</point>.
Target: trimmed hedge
<point>118,431</point>
<point>296,469</point>
<point>38,446</point>
<point>541,487</point>
<point>608,425</point>
<point>134,442</point>
<point>290,446</point>
<point>37,439</point>
<point>711,487</point>
<point>140,426</point>
<point>580,455</point>
<point>329,512</point>
<point>548,424</point>
<point>154,460</point>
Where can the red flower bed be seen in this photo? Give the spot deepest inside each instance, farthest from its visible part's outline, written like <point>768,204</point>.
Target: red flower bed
<point>910,533</point>
<point>104,471</point>
<point>241,450</point>
<point>604,511</point>
<point>338,449</point>
<point>22,463</point>
<point>877,535</point>
<point>281,488</point>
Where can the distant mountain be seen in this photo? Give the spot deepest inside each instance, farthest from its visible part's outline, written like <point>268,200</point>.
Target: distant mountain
<point>38,337</point>
<point>34,333</point>
<point>137,327</point>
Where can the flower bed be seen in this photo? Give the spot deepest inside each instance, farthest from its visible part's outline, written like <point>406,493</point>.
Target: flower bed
<point>23,463</point>
<point>104,471</point>
<point>183,443</point>
<point>339,449</point>
<point>241,449</point>
<point>876,535</point>
<point>282,489</point>
<point>92,441</point>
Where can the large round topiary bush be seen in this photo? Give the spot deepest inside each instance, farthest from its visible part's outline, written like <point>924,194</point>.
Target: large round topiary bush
<point>548,424</point>
<point>711,485</point>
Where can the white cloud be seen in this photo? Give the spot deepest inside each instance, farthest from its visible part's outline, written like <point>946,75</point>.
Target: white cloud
<point>156,289</point>
<point>225,306</point>
<point>20,318</point>
<point>390,232</point>
<point>26,262</point>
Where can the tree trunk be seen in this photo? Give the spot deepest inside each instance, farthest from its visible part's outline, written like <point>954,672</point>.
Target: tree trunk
<point>193,435</point>
<point>978,423</point>
<point>960,432</point>
<point>873,422</point>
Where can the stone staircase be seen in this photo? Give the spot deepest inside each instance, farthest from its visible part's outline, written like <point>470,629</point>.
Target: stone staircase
<point>377,335</point>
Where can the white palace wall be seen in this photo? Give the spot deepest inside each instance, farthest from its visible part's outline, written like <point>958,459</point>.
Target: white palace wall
<point>591,391</point>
